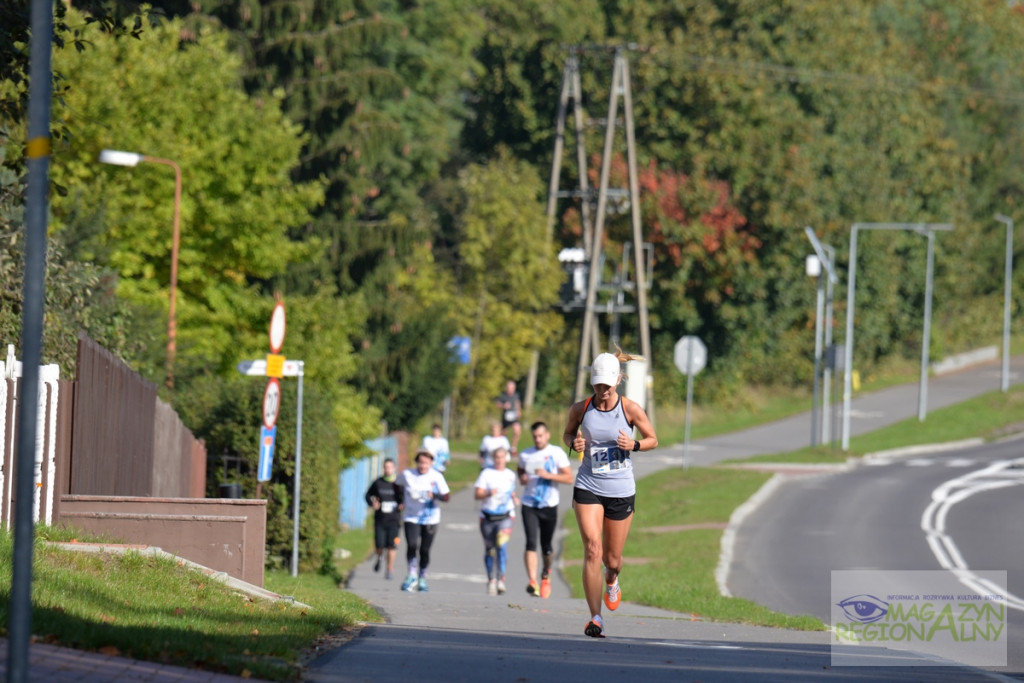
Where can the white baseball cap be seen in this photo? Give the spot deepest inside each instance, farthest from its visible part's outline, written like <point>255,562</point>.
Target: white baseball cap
<point>605,370</point>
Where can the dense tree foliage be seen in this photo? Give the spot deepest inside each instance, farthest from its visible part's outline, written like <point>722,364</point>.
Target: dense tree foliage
<point>387,163</point>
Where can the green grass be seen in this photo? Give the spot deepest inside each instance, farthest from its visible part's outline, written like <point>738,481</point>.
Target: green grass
<point>988,416</point>
<point>675,569</point>
<point>155,609</point>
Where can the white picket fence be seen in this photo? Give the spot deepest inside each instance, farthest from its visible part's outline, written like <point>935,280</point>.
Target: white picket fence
<point>44,471</point>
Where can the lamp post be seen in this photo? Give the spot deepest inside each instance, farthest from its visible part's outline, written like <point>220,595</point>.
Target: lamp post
<point>822,259</point>
<point>1004,383</point>
<point>110,156</point>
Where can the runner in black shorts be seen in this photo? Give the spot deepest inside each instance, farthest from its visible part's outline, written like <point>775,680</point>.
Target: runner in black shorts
<point>601,429</point>
<point>386,498</point>
<point>615,509</point>
<point>541,469</point>
<point>511,413</point>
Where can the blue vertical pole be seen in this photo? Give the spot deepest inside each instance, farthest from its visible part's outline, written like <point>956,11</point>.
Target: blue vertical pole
<point>19,625</point>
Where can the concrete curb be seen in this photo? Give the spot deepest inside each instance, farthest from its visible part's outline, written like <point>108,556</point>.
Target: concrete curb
<point>924,448</point>
<point>729,535</point>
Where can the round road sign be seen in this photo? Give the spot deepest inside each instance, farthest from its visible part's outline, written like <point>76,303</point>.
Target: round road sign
<point>690,355</point>
<point>277,328</point>
<point>271,402</point>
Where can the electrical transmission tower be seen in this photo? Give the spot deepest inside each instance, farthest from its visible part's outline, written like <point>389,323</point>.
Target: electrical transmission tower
<point>593,222</point>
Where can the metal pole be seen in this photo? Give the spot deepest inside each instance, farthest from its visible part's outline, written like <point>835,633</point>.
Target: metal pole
<point>298,475</point>
<point>922,399</point>
<point>172,316</point>
<point>638,240</point>
<point>826,426</point>
<point>1007,279</point>
<point>851,286</point>
<point>818,324</point>
<point>19,620</point>
<point>689,403</point>
<point>446,415</point>
<point>589,327</point>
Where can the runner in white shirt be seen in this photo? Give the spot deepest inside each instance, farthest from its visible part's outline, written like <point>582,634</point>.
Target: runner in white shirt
<point>489,443</point>
<point>541,469</point>
<point>424,487</point>
<point>601,428</point>
<point>496,488</point>
<point>438,445</point>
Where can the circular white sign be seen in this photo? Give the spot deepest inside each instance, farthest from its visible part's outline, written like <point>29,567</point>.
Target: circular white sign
<point>277,328</point>
<point>690,355</point>
<point>271,402</point>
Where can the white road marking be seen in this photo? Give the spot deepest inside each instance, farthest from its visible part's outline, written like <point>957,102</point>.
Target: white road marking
<point>449,576</point>
<point>1000,474</point>
<point>698,646</point>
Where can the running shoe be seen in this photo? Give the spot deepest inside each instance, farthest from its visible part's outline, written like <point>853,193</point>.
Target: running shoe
<point>533,589</point>
<point>387,574</point>
<point>376,565</point>
<point>409,584</point>
<point>492,587</point>
<point>595,627</point>
<point>423,585</point>
<point>501,586</point>
<point>545,588</point>
<point>612,596</point>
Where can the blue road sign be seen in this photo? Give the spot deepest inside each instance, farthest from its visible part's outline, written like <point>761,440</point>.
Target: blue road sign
<point>266,453</point>
<point>460,347</point>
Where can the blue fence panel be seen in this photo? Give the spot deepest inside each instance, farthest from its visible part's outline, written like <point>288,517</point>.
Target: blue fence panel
<point>353,482</point>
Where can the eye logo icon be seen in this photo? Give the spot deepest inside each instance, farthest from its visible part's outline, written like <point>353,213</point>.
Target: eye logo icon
<point>864,608</point>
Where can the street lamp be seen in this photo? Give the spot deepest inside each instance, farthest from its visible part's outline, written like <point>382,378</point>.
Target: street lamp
<point>822,259</point>
<point>1007,281</point>
<point>110,156</point>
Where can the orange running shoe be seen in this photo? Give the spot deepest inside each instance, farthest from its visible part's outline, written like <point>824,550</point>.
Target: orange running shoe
<point>545,587</point>
<point>594,627</point>
<point>612,596</point>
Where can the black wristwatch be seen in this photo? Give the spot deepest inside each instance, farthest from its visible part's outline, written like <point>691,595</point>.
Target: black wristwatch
<point>636,445</point>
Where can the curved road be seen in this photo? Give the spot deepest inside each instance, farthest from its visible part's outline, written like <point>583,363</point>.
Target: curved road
<point>873,516</point>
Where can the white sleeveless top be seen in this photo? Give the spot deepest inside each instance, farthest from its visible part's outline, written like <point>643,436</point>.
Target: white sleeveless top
<point>606,469</point>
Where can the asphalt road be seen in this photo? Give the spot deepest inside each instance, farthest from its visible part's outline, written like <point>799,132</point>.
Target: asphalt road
<point>455,632</point>
<point>873,516</point>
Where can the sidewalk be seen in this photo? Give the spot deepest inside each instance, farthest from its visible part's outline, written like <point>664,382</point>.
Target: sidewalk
<point>457,600</point>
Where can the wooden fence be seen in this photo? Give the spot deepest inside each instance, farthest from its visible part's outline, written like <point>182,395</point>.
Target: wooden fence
<point>106,433</point>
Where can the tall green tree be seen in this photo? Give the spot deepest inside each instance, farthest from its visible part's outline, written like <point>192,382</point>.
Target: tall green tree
<point>379,88</point>
<point>176,95</point>
<point>508,277</point>
<point>79,296</point>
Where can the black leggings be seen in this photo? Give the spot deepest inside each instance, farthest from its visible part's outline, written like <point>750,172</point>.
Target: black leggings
<point>542,522</point>
<point>419,537</point>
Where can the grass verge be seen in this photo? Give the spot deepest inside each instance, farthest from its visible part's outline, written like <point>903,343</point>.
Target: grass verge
<point>989,416</point>
<point>156,609</point>
<point>674,545</point>
<point>672,554</point>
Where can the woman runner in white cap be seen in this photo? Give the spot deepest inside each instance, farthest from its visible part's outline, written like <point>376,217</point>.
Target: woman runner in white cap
<point>601,429</point>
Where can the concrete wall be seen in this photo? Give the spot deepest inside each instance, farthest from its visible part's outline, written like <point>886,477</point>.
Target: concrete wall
<point>227,535</point>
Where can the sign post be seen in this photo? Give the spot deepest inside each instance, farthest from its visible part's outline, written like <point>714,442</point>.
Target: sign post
<point>274,367</point>
<point>690,357</point>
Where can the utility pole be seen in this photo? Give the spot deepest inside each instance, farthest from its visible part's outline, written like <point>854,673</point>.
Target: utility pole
<point>594,226</point>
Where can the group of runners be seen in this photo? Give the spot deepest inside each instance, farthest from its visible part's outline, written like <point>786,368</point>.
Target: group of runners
<point>600,428</point>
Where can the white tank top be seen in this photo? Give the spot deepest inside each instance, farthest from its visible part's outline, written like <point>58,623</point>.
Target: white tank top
<point>606,469</point>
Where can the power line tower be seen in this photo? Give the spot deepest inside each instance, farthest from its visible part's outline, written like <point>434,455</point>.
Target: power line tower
<point>589,261</point>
